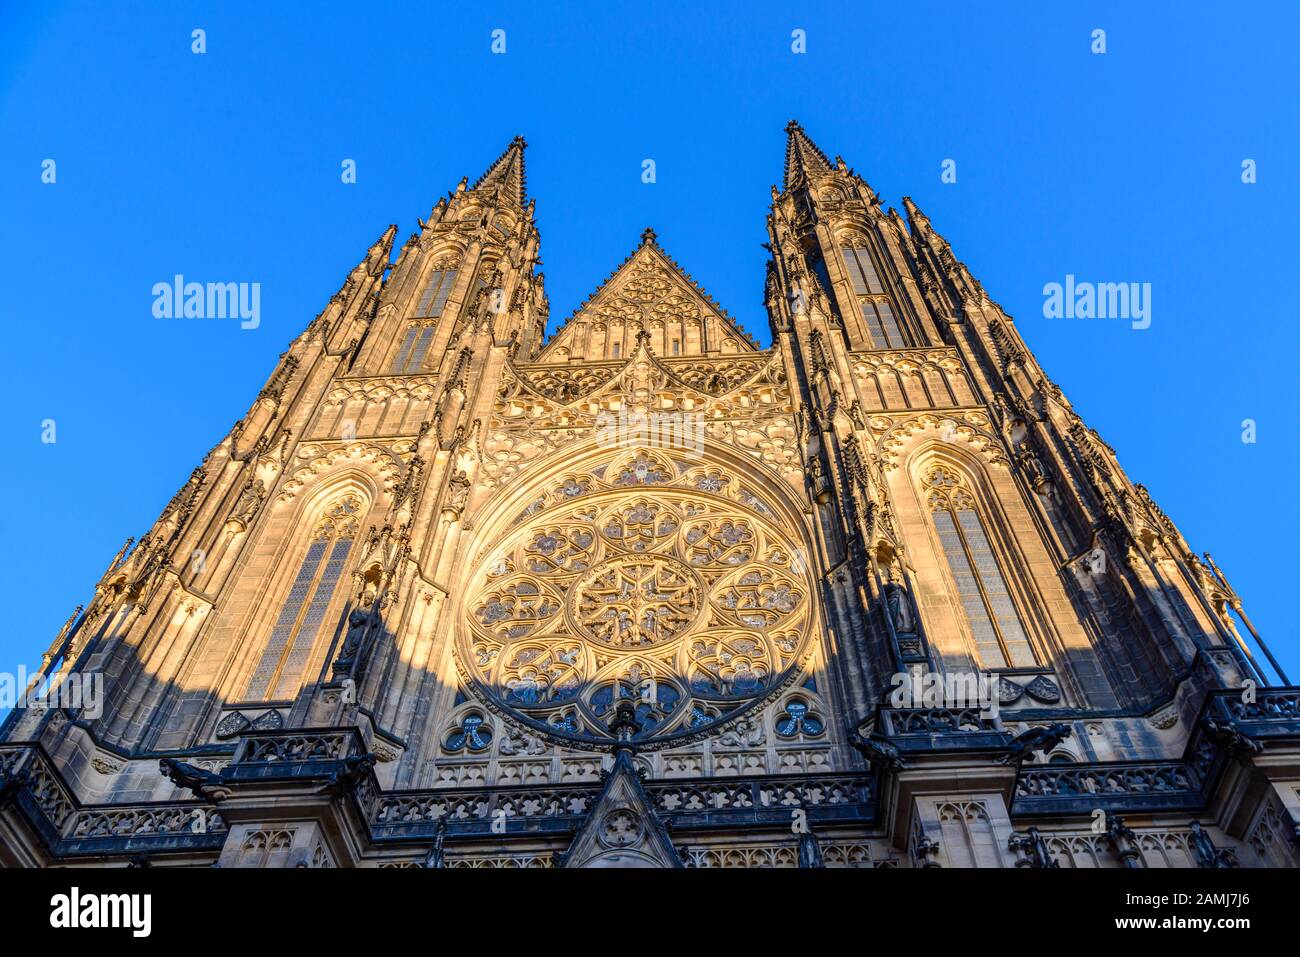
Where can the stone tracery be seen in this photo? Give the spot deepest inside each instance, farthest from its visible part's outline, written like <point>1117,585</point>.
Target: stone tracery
<point>686,601</point>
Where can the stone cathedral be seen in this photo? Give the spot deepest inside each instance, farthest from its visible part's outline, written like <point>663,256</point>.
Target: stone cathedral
<point>644,594</point>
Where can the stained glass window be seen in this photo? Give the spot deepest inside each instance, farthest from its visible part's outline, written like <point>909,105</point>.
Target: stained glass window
<point>1000,639</point>
<point>410,357</point>
<point>797,719</point>
<point>279,672</point>
<point>882,324</point>
<point>435,294</point>
<point>862,271</point>
<point>472,735</point>
<point>678,592</point>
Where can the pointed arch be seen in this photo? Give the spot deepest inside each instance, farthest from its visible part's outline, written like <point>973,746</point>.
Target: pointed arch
<point>294,607</point>
<point>614,570</point>
<point>977,567</point>
<point>302,612</point>
<point>863,262</point>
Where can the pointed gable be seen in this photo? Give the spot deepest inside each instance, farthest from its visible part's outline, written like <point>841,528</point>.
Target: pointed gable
<point>651,293</point>
<point>622,828</point>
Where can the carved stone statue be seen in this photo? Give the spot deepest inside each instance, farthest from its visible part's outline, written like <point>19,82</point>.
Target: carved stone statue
<point>625,725</point>
<point>1031,850</point>
<point>353,770</point>
<point>745,734</point>
<point>821,489</point>
<point>358,624</point>
<point>810,852</point>
<point>1028,461</point>
<point>436,857</point>
<point>925,850</point>
<point>1227,735</point>
<point>250,500</point>
<point>457,495</point>
<point>1042,856</point>
<point>877,750</point>
<point>899,603</point>
<point>520,742</point>
<point>1207,855</point>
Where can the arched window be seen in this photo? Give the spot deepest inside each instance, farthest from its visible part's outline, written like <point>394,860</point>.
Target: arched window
<point>435,293</point>
<point>877,312</point>
<point>410,357</point>
<point>857,260</point>
<point>279,673</point>
<point>999,636</point>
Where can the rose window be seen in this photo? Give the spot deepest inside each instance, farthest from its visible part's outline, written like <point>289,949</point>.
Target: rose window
<point>637,602</point>
<point>692,602</point>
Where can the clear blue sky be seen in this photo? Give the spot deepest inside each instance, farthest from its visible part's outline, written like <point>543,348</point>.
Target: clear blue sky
<point>225,166</point>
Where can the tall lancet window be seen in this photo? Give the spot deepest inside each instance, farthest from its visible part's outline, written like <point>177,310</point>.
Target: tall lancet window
<point>279,673</point>
<point>877,311</point>
<point>415,345</point>
<point>1000,638</point>
<point>435,294</point>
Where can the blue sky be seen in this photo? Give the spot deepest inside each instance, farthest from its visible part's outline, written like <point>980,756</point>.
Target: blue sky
<point>225,166</point>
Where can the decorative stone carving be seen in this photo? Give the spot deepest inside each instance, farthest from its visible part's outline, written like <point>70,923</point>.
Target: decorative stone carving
<point>1043,689</point>
<point>233,724</point>
<point>1031,850</point>
<point>1035,739</point>
<point>250,500</point>
<point>204,784</point>
<point>899,603</point>
<point>688,601</point>
<point>1123,842</point>
<point>1207,855</point>
<point>359,623</point>
<point>270,720</point>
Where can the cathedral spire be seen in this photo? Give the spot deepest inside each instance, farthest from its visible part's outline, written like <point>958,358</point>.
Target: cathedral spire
<point>508,171</point>
<point>917,220</point>
<point>914,214</point>
<point>944,261</point>
<point>802,155</point>
<point>378,254</point>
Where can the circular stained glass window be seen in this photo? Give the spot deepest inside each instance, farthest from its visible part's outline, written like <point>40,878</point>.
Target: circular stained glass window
<point>687,598</point>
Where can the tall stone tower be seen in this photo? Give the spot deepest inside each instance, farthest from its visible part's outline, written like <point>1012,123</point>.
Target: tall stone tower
<point>645,594</point>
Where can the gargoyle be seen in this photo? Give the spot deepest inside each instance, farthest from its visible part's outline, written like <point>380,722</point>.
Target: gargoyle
<point>877,750</point>
<point>204,784</point>
<point>1035,739</point>
<point>354,769</point>
<point>1227,735</point>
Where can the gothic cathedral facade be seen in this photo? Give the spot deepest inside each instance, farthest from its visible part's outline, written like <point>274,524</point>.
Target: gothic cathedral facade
<point>454,594</point>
